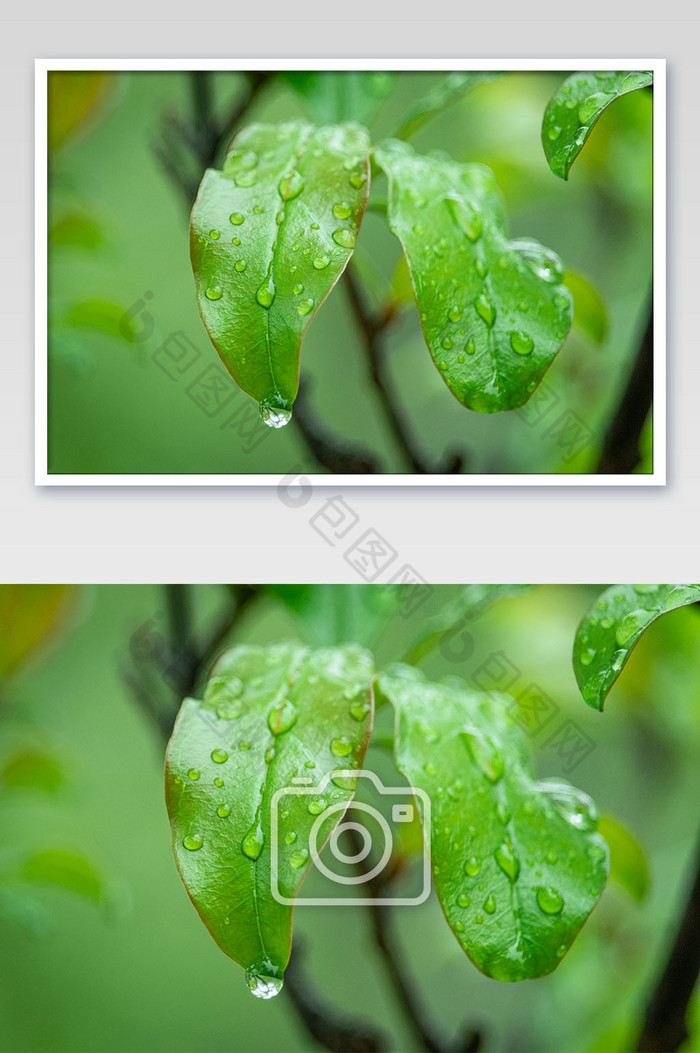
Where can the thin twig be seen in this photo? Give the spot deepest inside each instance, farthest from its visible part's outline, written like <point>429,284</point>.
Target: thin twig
<point>373,332</point>
<point>332,453</point>
<point>665,1029</point>
<point>621,453</point>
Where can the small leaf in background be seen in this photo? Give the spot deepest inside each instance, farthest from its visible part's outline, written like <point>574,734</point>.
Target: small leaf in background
<point>270,716</point>
<point>590,314</point>
<point>448,91</point>
<point>32,768</point>
<point>75,97</point>
<point>101,316</point>
<point>494,312</point>
<point>573,111</point>
<point>606,636</point>
<point>64,869</point>
<point>471,602</point>
<point>270,236</point>
<point>338,614</point>
<point>517,864</point>
<point>348,95</point>
<point>77,230</point>
<point>30,615</point>
<point>628,862</point>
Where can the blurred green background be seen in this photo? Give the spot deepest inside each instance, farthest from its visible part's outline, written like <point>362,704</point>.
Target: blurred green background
<point>126,965</point>
<point>118,242</point>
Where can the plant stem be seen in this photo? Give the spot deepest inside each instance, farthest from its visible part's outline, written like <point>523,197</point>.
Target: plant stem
<point>332,453</point>
<point>373,333</point>
<point>620,453</point>
<point>664,1028</point>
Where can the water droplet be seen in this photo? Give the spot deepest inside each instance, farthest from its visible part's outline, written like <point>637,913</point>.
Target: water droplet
<point>244,179</point>
<point>266,290</point>
<point>214,292</point>
<point>299,857</point>
<point>418,229</point>
<point>591,106</point>
<point>508,860</point>
<point>252,843</point>
<point>263,986</point>
<point>258,210</point>
<point>344,782</point>
<point>485,309</point>
<point>630,625</point>
<point>321,262</point>
<point>455,313</point>
<point>470,346</point>
<point>429,768</point>
<point>193,842</point>
<point>274,414</point>
<point>544,263</point>
<point>305,307</point>
<point>341,210</point>
<point>309,764</point>
<point>281,718</point>
<point>490,904</point>
<point>318,806</point>
<point>502,812</point>
<point>587,656</point>
<point>554,132</point>
<point>359,710</point>
<point>618,660</point>
<point>343,237</point>
<point>218,782</point>
<point>237,218</point>
<point>575,805</point>
<point>447,342</point>
<point>521,342</point>
<point>358,179</point>
<point>485,754</point>
<point>548,900</point>
<point>472,866</point>
<point>215,234</point>
<point>219,756</point>
<point>240,266</point>
<point>463,900</point>
<point>341,747</point>
<point>291,837</point>
<point>269,754</point>
<point>315,226</point>
<point>193,774</point>
<point>466,218</point>
<point>223,810</point>
<point>298,289</point>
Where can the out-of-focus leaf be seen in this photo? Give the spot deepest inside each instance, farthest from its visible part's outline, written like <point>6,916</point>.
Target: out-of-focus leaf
<point>102,316</point>
<point>338,614</point>
<point>494,312</point>
<point>573,111</point>
<point>628,862</point>
<point>343,96</point>
<point>606,636</point>
<point>517,864</point>
<point>74,97</point>
<point>64,869</point>
<point>76,230</point>
<point>590,313</point>
<point>270,236</point>
<point>250,770</point>
<point>472,600</point>
<point>30,615</point>
<point>448,91</point>
<point>32,769</point>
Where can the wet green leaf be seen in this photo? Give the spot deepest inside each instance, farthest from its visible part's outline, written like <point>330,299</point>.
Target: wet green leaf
<point>572,112</point>
<point>270,236</point>
<point>590,314</point>
<point>470,603</point>
<point>270,716</point>
<point>338,614</point>
<point>348,95</point>
<point>628,862</point>
<point>494,312</point>
<point>517,864</point>
<point>608,633</point>
<point>448,91</point>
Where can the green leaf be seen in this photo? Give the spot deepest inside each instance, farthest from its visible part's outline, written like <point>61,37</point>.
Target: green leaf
<point>608,633</point>
<point>64,869</point>
<point>628,862</point>
<point>30,615</point>
<point>270,716</point>
<point>590,314</point>
<point>572,112</point>
<point>77,230</point>
<point>448,91</point>
<point>102,316</point>
<point>34,769</point>
<point>74,99</point>
<point>517,864</point>
<point>349,95</point>
<point>338,614</point>
<point>471,602</point>
<point>494,312</point>
<point>270,236</point>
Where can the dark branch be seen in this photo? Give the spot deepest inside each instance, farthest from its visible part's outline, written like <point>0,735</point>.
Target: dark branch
<point>621,454</point>
<point>332,453</point>
<point>373,332</point>
<point>333,1031</point>
<point>664,1029</point>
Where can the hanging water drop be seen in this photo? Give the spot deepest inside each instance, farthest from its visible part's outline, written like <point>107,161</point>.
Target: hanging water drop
<point>252,843</point>
<point>263,986</point>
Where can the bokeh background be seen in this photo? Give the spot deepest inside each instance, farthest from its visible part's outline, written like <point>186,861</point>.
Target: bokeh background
<point>102,950</point>
<point>120,284</point>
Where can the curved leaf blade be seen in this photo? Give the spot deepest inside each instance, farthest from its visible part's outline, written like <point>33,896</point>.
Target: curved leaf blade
<point>447,91</point>
<point>268,717</point>
<point>517,864</point>
<point>342,95</point>
<point>472,601</point>
<point>337,614</point>
<point>494,312</point>
<point>628,862</point>
<point>574,110</point>
<point>607,635</point>
<point>270,235</point>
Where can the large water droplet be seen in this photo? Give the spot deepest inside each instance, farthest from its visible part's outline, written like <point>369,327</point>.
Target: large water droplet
<point>266,291</point>
<point>590,106</point>
<point>193,842</point>
<point>341,210</point>
<point>214,292</point>
<point>542,261</point>
<point>630,625</point>
<point>252,843</point>
<point>359,710</point>
<point>237,218</point>
<point>554,132</point>
<point>521,342</point>
<point>341,746</point>
<point>290,186</point>
<point>485,754</point>
<point>305,307</point>
<point>575,805</point>
<point>548,900</point>
<point>193,774</point>
<point>508,860</point>
<point>223,810</point>
<point>244,179</point>
<point>472,866</point>
<point>317,806</point>
<point>281,718</point>
<point>275,412</point>
<point>343,237</point>
<point>321,262</point>
<point>485,309</point>
<point>263,986</point>
<point>240,266</point>
<point>455,313</point>
<point>467,218</point>
<point>463,900</point>
<point>219,756</point>
<point>490,904</point>
<point>299,858</point>
<point>358,179</point>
